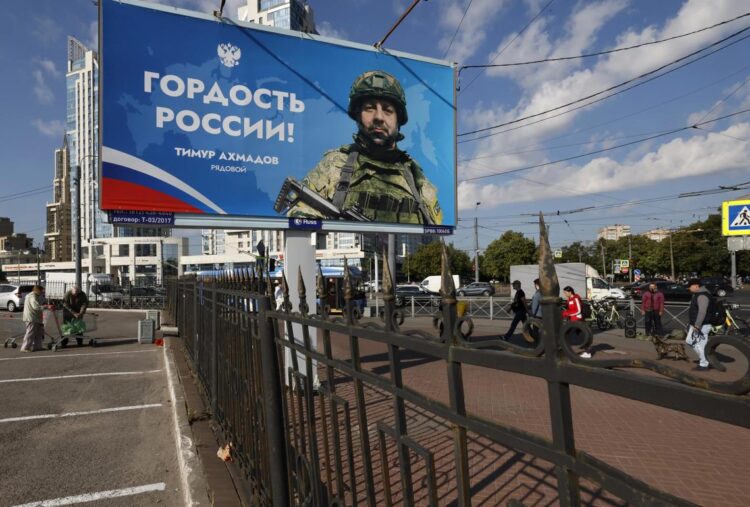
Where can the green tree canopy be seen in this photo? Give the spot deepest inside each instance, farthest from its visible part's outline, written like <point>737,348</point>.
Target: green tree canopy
<point>426,261</point>
<point>509,249</point>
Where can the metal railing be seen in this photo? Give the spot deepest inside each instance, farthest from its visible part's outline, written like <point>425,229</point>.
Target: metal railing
<point>313,423</point>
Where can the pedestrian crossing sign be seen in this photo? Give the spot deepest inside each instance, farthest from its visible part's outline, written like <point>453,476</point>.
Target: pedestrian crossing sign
<point>735,218</point>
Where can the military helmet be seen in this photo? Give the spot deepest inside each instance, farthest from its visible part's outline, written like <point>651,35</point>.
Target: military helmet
<point>377,84</point>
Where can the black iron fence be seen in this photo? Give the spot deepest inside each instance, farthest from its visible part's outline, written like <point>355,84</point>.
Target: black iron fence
<point>323,410</point>
<point>122,296</point>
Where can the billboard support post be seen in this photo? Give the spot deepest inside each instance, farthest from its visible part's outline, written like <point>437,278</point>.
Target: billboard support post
<point>733,256</point>
<point>299,256</point>
<point>392,254</point>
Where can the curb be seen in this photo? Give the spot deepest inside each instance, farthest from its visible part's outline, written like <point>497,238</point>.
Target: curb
<point>193,479</point>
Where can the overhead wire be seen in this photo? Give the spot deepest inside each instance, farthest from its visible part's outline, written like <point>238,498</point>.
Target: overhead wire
<point>614,87</point>
<point>605,52</point>
<point>530,22</point>
<point>602,150</point>
<point>450,45</point>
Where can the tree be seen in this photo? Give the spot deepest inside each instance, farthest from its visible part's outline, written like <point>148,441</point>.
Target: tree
<point>509,249</point>
<point>426,261</point>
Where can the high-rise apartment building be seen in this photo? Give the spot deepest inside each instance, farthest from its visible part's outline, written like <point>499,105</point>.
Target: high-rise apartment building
<point>614,232</point>
<point>289,14</point>
<point>82,132</point>
<point>58,238</point>
<point>212,241</point>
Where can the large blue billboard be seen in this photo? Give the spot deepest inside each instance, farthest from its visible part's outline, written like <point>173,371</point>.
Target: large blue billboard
<point>205,116</point>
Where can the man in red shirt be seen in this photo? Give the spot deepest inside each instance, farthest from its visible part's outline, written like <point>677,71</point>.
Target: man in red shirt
<point>652,308</point>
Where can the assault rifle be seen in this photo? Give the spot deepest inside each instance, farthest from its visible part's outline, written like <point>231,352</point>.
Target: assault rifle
<point>293,192</point>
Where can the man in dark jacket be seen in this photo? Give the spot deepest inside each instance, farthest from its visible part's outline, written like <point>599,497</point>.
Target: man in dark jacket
<point>74,307</point>
<point>652,308</point>
<point>698,327</point>
<point>519,309</point>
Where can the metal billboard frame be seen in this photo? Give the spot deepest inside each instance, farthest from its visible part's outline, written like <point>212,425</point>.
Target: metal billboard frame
<point>203,221</point>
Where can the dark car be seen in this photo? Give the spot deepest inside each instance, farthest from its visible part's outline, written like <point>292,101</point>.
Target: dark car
<point>142,292</point>
<point>404,293</point>
<point>717,285</point>
<point>476,289</point>
<point>672,291</point>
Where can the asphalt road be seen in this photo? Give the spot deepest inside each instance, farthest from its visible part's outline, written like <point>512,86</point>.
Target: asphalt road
<point>107,429</point>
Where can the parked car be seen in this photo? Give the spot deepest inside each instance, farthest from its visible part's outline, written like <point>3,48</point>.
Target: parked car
<point>717,285</point>
<point>672,291</point>
<point>142,292</point>
<point>12,296</point>
<point>476,289</point>
<point>404,292</point>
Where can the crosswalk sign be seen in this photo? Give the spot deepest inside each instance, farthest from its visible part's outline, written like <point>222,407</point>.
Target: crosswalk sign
<point>735,218</point>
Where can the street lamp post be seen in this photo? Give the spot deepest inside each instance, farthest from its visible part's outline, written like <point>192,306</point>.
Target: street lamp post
<point>476,243</point>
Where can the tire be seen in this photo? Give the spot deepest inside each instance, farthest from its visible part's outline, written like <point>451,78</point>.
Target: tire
<point>461,294</point>
<point>12,306</point>
<point>399,301</point>
<point>742,329</point>
<point>486,293</point>
<point>721,293</point>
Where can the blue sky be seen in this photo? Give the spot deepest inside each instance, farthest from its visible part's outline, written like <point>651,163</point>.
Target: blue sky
<point>32,44</point>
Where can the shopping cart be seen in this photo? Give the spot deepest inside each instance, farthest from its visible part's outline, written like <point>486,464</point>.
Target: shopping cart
<point>18,327</point>
<point>66,330</point>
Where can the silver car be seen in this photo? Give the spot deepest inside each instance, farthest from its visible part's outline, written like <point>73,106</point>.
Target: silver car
<point>12,296</point>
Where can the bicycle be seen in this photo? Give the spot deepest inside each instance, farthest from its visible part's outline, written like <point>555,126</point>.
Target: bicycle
<point>608,316</point>
<point>732,325</point>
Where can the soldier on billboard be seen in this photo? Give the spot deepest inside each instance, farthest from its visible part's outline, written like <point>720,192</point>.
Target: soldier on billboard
<point>370,179</point>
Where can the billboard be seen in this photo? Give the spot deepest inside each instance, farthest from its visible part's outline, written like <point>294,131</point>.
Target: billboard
<point>211,118</point>
<point>735,218</point>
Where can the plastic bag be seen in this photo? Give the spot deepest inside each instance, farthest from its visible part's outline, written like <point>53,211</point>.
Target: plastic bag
<point>74,327</point>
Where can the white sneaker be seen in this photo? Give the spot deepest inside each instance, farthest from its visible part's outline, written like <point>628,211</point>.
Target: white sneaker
<point>585,355</point>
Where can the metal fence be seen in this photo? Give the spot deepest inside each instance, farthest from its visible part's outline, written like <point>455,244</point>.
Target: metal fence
<point>314,423</point>
<point>114,296</point>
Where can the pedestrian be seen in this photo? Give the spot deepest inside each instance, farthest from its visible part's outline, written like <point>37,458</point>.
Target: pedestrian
<point>698,328</point>
<point>32,316</point>
<point>574,312</point>
<point>75,303</point>
<point>536,301</point>
<point>278,295</point>
<point>652,308</point>
<point>518,305</point>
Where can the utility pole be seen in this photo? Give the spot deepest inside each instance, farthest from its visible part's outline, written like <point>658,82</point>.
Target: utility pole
<point>630,258</point>
<point>476,243</point>
<point>77,224</point>
<point>671,254</point>
<point>604,261</point>
<point>38,271</point>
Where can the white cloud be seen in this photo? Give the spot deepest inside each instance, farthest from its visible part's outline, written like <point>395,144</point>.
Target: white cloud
<point>698,155</point>
<point>41,89</point>
<point>326,29</point>
<point>49,67</point>
<point>543,89</point>
<point>479,20</point>
<point>51,128</point>
<point>92,37</point>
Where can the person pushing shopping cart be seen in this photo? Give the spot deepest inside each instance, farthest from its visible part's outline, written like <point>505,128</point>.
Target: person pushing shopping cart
<point>75,303</point>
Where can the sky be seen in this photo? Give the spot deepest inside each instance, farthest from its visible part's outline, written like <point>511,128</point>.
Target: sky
<point>550,154</point>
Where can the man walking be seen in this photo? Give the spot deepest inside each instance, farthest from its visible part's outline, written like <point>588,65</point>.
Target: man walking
<point>652,308</point>
<point>698,328</point>
<point>32,316</point>
<point>536,301</point>
<point>519,309</point>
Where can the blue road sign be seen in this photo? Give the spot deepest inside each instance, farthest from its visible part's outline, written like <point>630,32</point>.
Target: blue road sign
<point>637,272</point>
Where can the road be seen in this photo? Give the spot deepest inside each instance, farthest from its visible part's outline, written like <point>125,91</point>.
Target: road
<point>85,424</point>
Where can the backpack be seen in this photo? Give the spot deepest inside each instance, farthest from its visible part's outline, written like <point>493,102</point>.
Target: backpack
<point>585,310</point>
<point>717,313</point>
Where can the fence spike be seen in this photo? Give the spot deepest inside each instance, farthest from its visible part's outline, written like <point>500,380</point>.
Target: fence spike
<point>321,284</point>
<point>547,275</point>
<point>447,287</point>
<point>301,285</point>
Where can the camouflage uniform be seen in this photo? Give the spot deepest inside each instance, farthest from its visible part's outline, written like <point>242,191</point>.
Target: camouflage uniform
<point>387,187</point>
